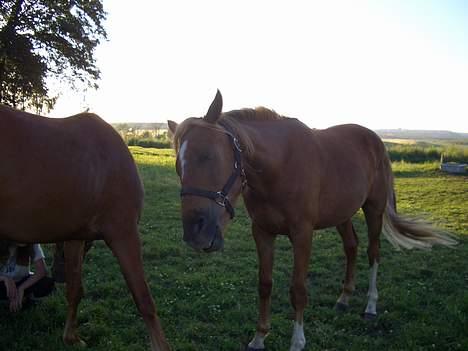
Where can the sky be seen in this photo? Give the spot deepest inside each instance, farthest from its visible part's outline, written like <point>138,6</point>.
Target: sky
<point>381,64</point>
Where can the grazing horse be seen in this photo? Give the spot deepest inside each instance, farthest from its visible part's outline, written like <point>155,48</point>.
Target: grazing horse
<point>73,180</point>
<point>294,180</point>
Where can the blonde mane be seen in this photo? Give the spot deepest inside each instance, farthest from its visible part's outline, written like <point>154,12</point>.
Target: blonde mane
<point>231,121</point>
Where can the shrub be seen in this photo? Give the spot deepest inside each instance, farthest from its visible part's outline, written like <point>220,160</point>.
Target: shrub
<point>158,143</point>
<point>427,153</point>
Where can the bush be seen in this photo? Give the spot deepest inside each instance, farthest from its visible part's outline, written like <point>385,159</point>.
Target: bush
<point>430,153</point>
<point>158,143</point>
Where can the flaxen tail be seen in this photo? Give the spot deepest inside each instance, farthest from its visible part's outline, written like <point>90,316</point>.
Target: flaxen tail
<point>410,233</point>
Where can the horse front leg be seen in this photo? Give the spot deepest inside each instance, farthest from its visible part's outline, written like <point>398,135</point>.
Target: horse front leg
<point>73,251</point>
<point>265,249</point>
<point>302,243</point>
<point>58,265</point>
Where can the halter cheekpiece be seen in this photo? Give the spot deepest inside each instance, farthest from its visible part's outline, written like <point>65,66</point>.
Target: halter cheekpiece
<point>221,197</point>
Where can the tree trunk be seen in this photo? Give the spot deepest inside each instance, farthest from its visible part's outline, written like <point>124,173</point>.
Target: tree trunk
<point>6,39</point>
<point>14,17</point>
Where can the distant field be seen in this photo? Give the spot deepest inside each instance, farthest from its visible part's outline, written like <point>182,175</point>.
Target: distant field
<point>400,141</point>
<point>209,302</point>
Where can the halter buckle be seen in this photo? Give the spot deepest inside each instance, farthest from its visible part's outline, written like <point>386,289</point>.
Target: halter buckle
<point>221,199</point>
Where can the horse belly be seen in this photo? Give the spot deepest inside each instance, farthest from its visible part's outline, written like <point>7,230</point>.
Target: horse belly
<point>38,205</point>
<point>43,223</point>
<point>340,204</point>
<point>333,219</point>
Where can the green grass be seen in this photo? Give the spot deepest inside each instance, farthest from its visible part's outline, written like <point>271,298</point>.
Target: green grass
<point>209,302</point>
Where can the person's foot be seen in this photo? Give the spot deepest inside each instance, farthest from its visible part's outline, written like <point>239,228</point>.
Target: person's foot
<point>30,301</point>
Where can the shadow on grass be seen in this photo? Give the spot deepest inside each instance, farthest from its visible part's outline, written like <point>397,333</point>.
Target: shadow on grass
<point>416,173</point>
<point>411,173</point>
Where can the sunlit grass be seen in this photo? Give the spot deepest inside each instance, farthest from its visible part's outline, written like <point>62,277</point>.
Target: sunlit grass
<point>401,167</point>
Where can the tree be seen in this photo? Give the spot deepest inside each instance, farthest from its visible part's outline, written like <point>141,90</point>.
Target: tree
<point>44,39</point>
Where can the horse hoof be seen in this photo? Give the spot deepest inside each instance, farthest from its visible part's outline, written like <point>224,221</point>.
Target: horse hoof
<point>341,307</point>
<point>75,341</point>
<point>369,316</point>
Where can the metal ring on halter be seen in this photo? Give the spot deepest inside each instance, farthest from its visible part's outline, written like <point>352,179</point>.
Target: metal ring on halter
<point>221,199</point>
<point>236,144</point>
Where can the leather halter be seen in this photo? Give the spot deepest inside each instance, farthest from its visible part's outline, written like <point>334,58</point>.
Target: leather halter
<point>221,197</point>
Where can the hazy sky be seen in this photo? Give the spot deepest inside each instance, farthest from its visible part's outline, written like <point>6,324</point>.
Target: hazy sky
<point>382,64</point>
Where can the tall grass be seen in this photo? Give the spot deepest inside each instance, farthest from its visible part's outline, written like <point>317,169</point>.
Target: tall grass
<point>407,169</point>
<point>424,152</point>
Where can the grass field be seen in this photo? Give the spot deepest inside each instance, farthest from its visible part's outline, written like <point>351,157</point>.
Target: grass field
<point>209,302</point>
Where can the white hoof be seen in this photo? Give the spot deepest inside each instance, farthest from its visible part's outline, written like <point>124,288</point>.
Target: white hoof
<point>258,342</point>
<point>297,346</point>
<point>298,339</point>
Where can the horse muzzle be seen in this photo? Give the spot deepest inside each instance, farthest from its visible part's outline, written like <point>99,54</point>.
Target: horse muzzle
<point>202,233</point>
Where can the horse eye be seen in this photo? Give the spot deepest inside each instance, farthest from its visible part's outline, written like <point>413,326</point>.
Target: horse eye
<point>205,157</point>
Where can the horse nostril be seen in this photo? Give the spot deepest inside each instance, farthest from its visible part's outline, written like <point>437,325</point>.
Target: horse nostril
<point>199,225</point>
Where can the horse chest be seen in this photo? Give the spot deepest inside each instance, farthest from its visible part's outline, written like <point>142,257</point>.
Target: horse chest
<point>267,216</point>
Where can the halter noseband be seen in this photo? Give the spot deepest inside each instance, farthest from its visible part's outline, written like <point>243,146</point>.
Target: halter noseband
<point>221,197</point>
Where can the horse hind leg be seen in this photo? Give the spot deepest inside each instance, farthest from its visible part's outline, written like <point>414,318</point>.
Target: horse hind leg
<point>302,244</point>
<point>374,219</point>
<point>126,247</point>
<point>73,251</point>
<point>350,246</point>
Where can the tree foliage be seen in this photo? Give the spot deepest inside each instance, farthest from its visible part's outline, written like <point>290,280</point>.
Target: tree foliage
<point>43,39</point>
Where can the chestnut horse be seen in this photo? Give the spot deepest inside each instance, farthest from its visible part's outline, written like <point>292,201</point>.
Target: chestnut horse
<point>293,180</point>
<point>74,179</point>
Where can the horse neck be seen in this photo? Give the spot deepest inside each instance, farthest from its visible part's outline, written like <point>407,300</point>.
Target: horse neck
<point>265,159</point>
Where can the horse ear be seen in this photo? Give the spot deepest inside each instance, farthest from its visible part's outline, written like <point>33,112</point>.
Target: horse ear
<point>216,107</point>
<point>172,128</point>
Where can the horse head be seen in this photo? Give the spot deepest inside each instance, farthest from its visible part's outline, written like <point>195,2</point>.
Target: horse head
<point>209,167</point>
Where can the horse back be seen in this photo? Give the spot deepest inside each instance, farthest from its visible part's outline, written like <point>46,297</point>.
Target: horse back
<point>321,176</point>
<point>63,176</point>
